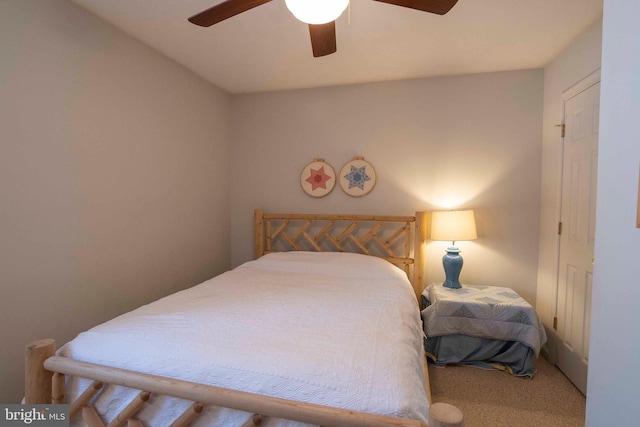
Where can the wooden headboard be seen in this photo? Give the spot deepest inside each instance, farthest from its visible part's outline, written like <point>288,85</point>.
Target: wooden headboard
<point>398,239</point>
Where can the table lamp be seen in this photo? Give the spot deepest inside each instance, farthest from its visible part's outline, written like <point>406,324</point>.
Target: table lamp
<point>453,226</point>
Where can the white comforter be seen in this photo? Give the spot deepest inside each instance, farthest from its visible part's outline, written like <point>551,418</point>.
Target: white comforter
<point>329,328</point>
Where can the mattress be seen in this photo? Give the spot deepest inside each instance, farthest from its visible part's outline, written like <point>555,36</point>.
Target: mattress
<point>334,329</point>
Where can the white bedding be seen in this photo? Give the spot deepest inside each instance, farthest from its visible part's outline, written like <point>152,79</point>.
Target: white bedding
<point>335,329</point>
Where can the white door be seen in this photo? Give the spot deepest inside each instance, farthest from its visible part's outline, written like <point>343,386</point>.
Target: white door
<point>575,274</point>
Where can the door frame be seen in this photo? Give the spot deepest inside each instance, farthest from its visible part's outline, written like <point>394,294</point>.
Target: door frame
<point>581,86</point>
<point>585,83</point>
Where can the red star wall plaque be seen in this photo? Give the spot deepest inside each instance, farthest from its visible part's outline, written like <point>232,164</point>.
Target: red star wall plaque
<point>318,178</point>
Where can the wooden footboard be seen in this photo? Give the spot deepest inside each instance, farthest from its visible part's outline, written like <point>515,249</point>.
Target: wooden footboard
<point>45,384</point>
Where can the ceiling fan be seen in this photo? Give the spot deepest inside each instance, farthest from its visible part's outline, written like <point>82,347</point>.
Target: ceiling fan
<point>323,29</point>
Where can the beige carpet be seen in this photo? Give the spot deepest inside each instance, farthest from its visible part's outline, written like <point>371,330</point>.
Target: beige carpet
<point>490,398</point>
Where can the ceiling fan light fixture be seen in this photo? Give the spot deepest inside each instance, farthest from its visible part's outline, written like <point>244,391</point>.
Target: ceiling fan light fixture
<point>317,11</point>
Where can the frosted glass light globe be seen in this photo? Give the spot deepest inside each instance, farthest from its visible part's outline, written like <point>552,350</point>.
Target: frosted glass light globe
<point>317,11</point>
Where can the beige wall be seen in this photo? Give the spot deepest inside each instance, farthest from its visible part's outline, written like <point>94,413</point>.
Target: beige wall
<point>113,177</point>
<point>612,390</point>
<point>469,141</point>
<point>573,64</point>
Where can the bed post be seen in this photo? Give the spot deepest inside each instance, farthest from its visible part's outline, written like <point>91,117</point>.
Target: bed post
<point>37,380</point>
<point>258,232</point>
<point>420,241</point>
<point>445,415</point>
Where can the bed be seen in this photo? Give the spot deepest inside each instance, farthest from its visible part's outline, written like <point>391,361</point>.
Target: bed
<point>484,326</point>
<point>320,329</point>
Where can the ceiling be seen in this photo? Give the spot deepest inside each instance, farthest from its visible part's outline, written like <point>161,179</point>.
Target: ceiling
<point>267,49</point>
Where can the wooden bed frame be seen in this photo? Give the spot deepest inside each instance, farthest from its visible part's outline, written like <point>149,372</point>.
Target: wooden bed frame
<point>389,237</point>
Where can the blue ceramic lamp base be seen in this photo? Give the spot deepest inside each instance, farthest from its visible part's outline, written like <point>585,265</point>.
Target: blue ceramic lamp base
<point>452,262</point>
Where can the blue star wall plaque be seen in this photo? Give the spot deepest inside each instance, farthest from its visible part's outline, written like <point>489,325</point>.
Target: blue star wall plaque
<point>357,177</point>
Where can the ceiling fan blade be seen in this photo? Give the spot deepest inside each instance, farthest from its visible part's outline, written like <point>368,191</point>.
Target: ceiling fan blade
<point>223,11</point>
<point>439,7</point>
<point>323,38</point>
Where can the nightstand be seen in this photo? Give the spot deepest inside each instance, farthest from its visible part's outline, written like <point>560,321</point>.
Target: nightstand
<point>474,323</point>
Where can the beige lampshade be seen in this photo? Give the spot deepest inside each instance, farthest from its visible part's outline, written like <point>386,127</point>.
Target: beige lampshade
<point>453,225</point>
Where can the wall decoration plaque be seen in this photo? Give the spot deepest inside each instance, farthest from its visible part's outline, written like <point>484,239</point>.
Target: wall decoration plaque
<point>357,177</point>
<point>318,178</point>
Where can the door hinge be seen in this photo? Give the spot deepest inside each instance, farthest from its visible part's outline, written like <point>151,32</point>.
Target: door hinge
<point>555,323</point>
<point>559,228</point>
<point>562,127</point>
